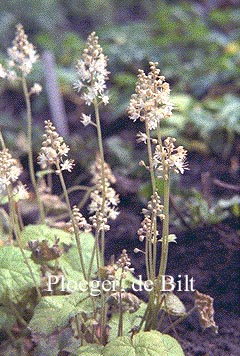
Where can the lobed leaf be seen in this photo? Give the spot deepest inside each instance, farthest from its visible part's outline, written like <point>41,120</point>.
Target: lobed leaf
<point>44,232</point>
<point>55,311</point>
<point>149,343</point>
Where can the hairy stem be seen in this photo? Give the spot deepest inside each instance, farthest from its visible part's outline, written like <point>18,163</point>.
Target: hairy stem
<point>149,149</point>
<point>30,152</point>
<point>165,230</point>
<point>100,146</point>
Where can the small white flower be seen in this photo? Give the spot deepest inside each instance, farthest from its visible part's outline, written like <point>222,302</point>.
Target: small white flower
<point>86,119</point>
<point>113,214</point>
<point>142,137</point>
<point>36,89</point>
<point>67,165</point>
<point>89,96</point>
<point>42,160</point>
<point>78,85</point>
<point>105,99</point>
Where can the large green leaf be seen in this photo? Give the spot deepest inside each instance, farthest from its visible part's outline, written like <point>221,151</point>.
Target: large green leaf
<point>150,343</point>
<point>69,263</point>
<point>70,260</point>
<point>15,277</point>
<point>44,232</point>
<point>55,311</point>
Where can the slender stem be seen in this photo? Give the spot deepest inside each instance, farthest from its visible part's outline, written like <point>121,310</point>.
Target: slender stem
<point>120,322</point>
<point>84,199</point>
<point>165,231</point>
<point>147,258</point>
<point>152,244</point>
<point>76,232</point>
<point>149,148</point>
<point>76,188</point>
<point>19,214</point>
<point>150,259</point>
<point>154,233</point>
<point>100,146</point>
<point>30,152</point>
<point>16,229</point>
<point>92,259</point>
<point>159,136</point>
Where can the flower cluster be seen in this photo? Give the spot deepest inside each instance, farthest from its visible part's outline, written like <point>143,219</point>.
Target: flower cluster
<point>103,206</point>
<point>151,102</point>
<point>22,56</point>
<point>92,72</point>
<point>22,53</point>
<point>124,263</point>
<point>79,221</point>
<point>168,157</point>
<point>154,208</point>
<point>54,149</point>
<point>10,169</point>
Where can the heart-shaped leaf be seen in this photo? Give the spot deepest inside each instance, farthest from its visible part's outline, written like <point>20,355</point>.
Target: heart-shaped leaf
<point>149,343</point>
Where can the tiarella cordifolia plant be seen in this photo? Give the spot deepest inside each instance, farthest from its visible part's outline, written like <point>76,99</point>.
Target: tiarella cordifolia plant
<point>92,73</point>
<point>151,104</point>
<point>22,57</point>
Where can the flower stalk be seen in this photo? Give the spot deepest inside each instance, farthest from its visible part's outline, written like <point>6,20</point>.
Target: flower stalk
<point>30,152</point>
<point>151,104</point>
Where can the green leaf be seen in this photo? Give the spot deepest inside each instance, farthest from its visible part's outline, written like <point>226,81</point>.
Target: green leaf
<point>129,321</point>
<point>55,311</point>
<point>70,265</point>
<point>146,189</point>
<point>71,257</point>
<point>150,343</point>
<point>121,151</point>
<point>89,350</point>
<point>182,102</point>
<point>173,305</point>
<point>44,232</point>
<point>15,277</point>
